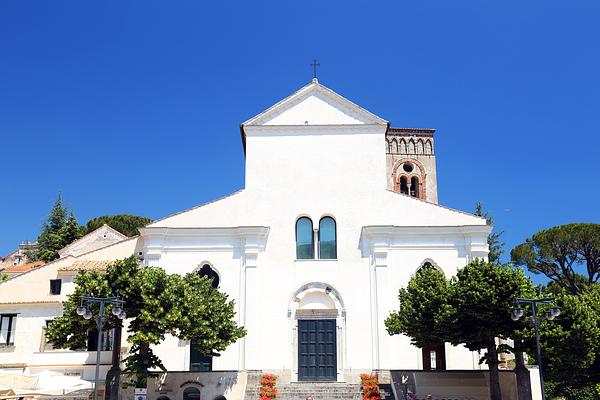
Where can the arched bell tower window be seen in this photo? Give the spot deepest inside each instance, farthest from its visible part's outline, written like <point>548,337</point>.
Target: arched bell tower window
<point>414,186</point>
<point>212,275</point>
<point>403,185</point>
<point>305,245</point>
<point>327,239</point>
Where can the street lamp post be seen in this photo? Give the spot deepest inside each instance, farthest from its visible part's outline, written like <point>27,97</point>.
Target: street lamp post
<point>85,312</point>
<point>552,313</point>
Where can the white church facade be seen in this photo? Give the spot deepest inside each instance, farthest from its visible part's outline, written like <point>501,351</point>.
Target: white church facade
<point>338,211</point>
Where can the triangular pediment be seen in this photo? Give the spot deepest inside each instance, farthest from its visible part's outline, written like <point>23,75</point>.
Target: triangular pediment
<point>315,104</point>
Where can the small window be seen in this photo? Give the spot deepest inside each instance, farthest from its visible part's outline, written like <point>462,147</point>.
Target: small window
<point>191,393</point>
<point>106,340</point>
<point>206,270</point>
<point>327,239</point>
<point>305,245</point>
<point>55,286</point>
<point>7,329</point>
<point>46,346</point>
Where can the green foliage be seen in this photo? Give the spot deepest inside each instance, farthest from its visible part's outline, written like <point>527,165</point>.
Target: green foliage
<point>555,252</point>
<point>495,244</point>
<point>126,224</point>
<point>3,277</point>
<point>157,304</point>
<point>57,232</point>
<point>427,292</point>
<point>472,309</point>
<point>571,342</point>
<point>482,296</point>
<point>569,392</point>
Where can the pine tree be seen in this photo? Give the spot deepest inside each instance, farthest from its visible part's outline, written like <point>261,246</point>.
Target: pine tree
<point>57,232</point>
<point>495,244</point>
<point>71,231</point>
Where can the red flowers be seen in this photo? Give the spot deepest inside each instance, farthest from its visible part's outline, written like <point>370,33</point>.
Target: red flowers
<point>267,389</point>
<point>370,385</point>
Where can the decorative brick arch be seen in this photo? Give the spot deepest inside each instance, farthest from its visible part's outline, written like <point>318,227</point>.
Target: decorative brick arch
<point>396,175</point>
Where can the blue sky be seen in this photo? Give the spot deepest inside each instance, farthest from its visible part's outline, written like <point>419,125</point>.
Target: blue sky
<point>134,106</point>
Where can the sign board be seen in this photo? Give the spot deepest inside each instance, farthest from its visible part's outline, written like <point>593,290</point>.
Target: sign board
<point>140,393</point>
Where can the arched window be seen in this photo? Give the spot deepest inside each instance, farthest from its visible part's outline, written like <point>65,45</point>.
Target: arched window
<point>206,270</point>
<point>191,393</point>
<point>403,185</point>
<point>327,238</point>
<point>402,146</point>
<point>305,246</point>
<point>414,186</point>
<point>428,147</point>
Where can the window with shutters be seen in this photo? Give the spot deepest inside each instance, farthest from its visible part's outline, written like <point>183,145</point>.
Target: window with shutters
<point>7,329</point>
<point>55,286</point>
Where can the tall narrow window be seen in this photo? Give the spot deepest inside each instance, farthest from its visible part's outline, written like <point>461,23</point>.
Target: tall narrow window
<point>327,238</point>
<point>403,185</point>
<point>206,270</point>
<point>305,246</point>
<point>7,329</point>
<point>414,186</point>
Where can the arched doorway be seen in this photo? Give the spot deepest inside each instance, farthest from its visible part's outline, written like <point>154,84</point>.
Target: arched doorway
<point>317,317</point>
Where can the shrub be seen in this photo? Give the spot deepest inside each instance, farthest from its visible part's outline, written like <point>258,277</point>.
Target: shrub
<point>267,389</point>
<point>370,385</point>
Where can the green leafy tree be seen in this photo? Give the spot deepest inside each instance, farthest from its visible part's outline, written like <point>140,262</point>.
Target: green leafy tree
<point>495,244</point>
<point>157,304</point>
<point>556,252</point>
<point>482,297</point>
<point>418,317</point>
<point>472,309</point>
<point>571,342</point>
<point>128,225</point>
<point>3,277</point>
<point>57,232</point>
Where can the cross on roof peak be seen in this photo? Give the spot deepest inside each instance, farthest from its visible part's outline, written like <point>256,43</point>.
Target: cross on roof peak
<point>315,64</point>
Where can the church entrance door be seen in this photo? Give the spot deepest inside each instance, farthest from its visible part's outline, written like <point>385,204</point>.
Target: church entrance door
<point>317,352</point>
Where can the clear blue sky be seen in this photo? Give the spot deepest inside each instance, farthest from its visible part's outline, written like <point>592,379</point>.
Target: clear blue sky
<point>134,106</point>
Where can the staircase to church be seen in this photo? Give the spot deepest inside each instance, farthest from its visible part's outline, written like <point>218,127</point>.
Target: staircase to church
<point>314,390</point>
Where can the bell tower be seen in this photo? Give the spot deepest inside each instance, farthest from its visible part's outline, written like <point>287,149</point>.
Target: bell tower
<point>410,162</point>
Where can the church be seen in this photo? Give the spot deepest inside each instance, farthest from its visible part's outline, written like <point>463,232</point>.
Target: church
<point>338,212</point>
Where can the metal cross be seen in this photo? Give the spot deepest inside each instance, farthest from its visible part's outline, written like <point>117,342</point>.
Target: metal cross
<point>315,64</point>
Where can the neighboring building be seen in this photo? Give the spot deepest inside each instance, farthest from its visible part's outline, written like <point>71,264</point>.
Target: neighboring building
<point>15,270</point>
<point>97,239</point>
<point>19,256</point>
<point>334,219</point>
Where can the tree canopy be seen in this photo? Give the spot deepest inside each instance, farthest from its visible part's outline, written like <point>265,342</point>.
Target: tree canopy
<point>473,309</point>
<point>57,232</point>
<point>157,304</point>
<point>128,225</point>
<point>556,252</point>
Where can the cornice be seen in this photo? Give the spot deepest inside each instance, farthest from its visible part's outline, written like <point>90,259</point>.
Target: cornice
<point>392,231</point>
<point>239,232</point>
<point>299,130</point>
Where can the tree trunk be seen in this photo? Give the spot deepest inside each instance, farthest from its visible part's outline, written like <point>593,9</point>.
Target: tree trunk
<point>492,361</point>
<point>142,378</point>
<point>113,376</point>
<point>522,375</point>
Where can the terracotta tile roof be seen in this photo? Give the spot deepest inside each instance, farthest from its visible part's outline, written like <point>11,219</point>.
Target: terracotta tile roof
<point>23,268</point>
<point>87,265</point>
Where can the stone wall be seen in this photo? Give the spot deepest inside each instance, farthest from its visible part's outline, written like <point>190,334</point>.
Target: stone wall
<point>216,385</point>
